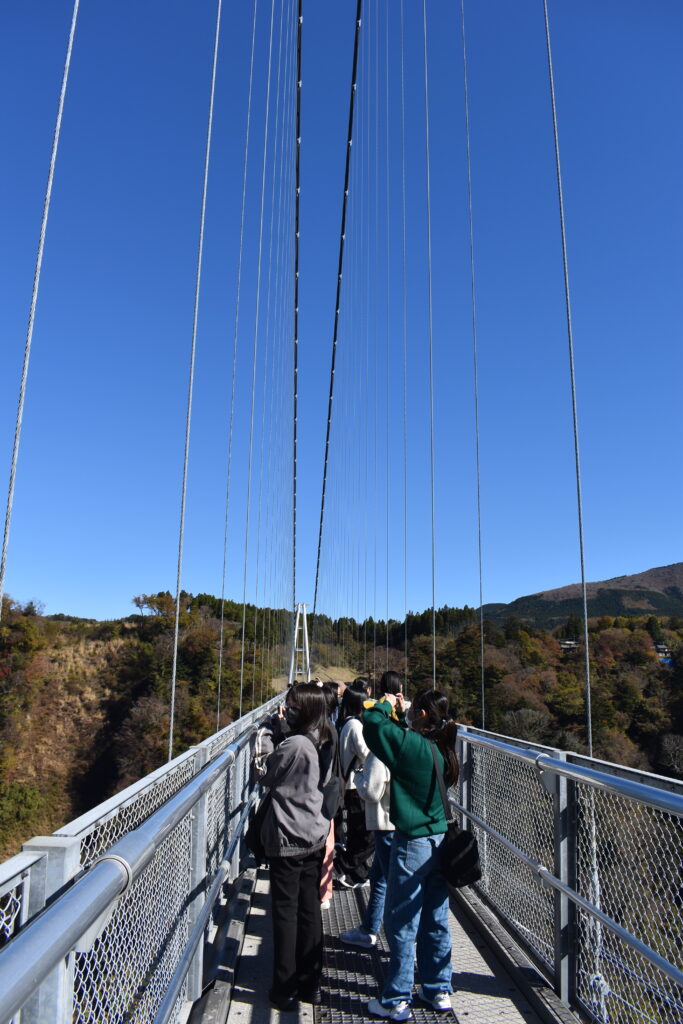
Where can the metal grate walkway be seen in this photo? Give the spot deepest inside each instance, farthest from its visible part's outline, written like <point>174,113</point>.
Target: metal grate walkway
<point>484,992</point>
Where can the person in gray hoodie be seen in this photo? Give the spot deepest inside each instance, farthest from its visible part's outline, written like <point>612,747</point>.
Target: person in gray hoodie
<point>293,835</point>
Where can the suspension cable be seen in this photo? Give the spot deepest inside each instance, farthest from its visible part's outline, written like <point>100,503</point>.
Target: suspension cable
<point>297,198</point>
<point>342,236</point>
<point>265,405</point>
<point>190,387</point>
<point>431,346</point>
<point>405,352</point>
<point>575,419</point>
<point>34,302</point>
<point>234,367</point>
<point>255,353</point>
<point>388,331</point>
<point>475,359</point>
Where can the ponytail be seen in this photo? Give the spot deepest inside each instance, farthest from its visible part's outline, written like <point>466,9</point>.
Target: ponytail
<point>440,728</point>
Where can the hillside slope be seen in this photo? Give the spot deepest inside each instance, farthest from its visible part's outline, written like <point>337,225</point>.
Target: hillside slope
<point>656,591</point>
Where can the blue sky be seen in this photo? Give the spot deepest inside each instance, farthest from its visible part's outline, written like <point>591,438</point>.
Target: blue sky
<point>98,486</point>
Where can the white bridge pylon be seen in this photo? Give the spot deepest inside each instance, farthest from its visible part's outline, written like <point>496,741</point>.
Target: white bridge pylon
<point>300,662</point>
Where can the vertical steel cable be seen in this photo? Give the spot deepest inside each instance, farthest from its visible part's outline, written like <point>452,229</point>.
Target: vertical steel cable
<point>297,198</point>
<point>475,360</point>
<point>575,419</point>
<point>234,367</point>
<point>34,302</point>
<point>375,466</point>
<point>388,332</point>
<point>255,353</point>
<point>349,143</point>
<point>405,353</point>
<point>269,359</point>
<point>190,386</point>
<point>431,346</point>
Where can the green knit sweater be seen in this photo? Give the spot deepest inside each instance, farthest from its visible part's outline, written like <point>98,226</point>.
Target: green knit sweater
<point>416,804</point>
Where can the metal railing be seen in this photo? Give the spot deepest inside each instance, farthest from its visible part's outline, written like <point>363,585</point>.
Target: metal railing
<point>104,920</point>
<point>583,862</point>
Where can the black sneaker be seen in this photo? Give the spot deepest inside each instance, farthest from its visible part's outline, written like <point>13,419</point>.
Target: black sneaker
<point>283,1003</point>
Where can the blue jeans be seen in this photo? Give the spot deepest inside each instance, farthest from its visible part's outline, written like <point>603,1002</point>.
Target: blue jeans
<point>416,917</point>
<point>379,872</point>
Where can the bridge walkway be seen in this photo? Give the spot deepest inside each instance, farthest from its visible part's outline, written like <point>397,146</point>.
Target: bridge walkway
<point>484,993</point>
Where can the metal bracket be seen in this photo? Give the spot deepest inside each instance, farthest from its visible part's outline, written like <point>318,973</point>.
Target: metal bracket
<point>88,938</point>
<point>549,780</point>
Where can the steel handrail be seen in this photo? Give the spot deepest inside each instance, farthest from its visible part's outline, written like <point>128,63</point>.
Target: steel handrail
<point>548,878</point>
<point>38,948</point>
<point>659,799</point>
<point>183,966</point>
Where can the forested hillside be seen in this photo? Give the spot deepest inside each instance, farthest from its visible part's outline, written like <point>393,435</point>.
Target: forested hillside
<point>84,704</point>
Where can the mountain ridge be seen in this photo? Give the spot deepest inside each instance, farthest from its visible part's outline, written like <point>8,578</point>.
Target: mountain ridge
<point>656,591</point>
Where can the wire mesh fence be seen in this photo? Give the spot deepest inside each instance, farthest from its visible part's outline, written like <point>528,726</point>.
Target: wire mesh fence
<point>509,796</point>
<point>121,969</point>
<point>15,892</point>
<point>124,976</point>
<point>630,865</point>
<point>618,847</point>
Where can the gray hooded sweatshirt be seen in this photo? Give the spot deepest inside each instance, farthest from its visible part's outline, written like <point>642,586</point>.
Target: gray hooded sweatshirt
<point>295,824</point>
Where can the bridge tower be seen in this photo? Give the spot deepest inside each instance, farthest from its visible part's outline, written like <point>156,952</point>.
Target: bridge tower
<point>300,662</point>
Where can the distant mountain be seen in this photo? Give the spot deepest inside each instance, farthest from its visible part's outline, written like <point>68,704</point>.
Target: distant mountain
<point>654,592</point>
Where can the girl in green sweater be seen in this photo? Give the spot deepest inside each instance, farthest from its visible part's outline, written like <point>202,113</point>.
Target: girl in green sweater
<point>416,908</point>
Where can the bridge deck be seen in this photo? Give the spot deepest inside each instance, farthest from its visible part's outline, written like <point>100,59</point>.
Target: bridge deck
<point>484,992</point>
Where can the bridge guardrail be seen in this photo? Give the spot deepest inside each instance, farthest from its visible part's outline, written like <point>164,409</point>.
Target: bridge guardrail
<point>109,946</point>
<point>587,872</point>
<point>21,893</point>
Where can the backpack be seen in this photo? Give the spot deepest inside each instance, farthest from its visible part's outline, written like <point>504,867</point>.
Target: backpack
<point>333,789</point>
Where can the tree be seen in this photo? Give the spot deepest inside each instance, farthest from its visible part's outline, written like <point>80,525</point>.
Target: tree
<point>672,752</point>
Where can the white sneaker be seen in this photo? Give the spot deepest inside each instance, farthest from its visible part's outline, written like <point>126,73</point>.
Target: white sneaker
<point>441,1001</point>
<point>400,1011</point>
<point>326,904</point>
<point>359,937</point>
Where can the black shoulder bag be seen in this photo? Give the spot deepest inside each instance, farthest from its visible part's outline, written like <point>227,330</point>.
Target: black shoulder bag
<point>252,837</point>
<point>459,851</point>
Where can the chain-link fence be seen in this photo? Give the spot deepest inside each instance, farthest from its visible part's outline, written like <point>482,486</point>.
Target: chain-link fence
<point>585,867</point>
<point>122,966</point>
<point>19,880</point>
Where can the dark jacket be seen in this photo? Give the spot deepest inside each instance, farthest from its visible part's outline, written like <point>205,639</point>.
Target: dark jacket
<point>416,804</point>
<point>295,823</point>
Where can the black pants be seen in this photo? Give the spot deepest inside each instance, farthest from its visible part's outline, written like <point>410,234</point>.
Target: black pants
<point>297,925</point>
<point>354,861</point>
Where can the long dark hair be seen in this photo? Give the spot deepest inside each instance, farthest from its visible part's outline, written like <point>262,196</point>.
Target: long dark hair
<point>441,728</point>
<point>352,704</point>
<point>390,682</point>
<point>311,701</point>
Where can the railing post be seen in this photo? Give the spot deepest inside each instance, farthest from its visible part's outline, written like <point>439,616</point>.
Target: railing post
<point>564,834</point>
<point>54,999</point>
<point>198,881</point>
<point>465,758</point>
<point>239,797</point>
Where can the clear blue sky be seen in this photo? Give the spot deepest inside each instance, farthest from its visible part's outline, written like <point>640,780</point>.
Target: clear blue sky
<point>97,498</point>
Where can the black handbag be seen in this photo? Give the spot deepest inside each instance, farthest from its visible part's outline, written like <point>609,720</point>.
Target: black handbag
<point>459,850</point>
<point>252,836</point>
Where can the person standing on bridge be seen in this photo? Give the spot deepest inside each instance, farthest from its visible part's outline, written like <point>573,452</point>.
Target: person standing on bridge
<point>293,834</point>
<point>416,905</point>
<point>352,861</point>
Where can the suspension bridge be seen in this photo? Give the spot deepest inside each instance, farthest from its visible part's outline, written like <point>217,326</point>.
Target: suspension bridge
<point>148,908</point>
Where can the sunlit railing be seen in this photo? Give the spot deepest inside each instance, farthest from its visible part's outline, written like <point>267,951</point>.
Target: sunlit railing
<point>105,919</point>
<point>583,862</point>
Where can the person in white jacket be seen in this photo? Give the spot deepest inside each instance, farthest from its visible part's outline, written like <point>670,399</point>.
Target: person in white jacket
<point>373,785</point>
<point>352,862</point>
